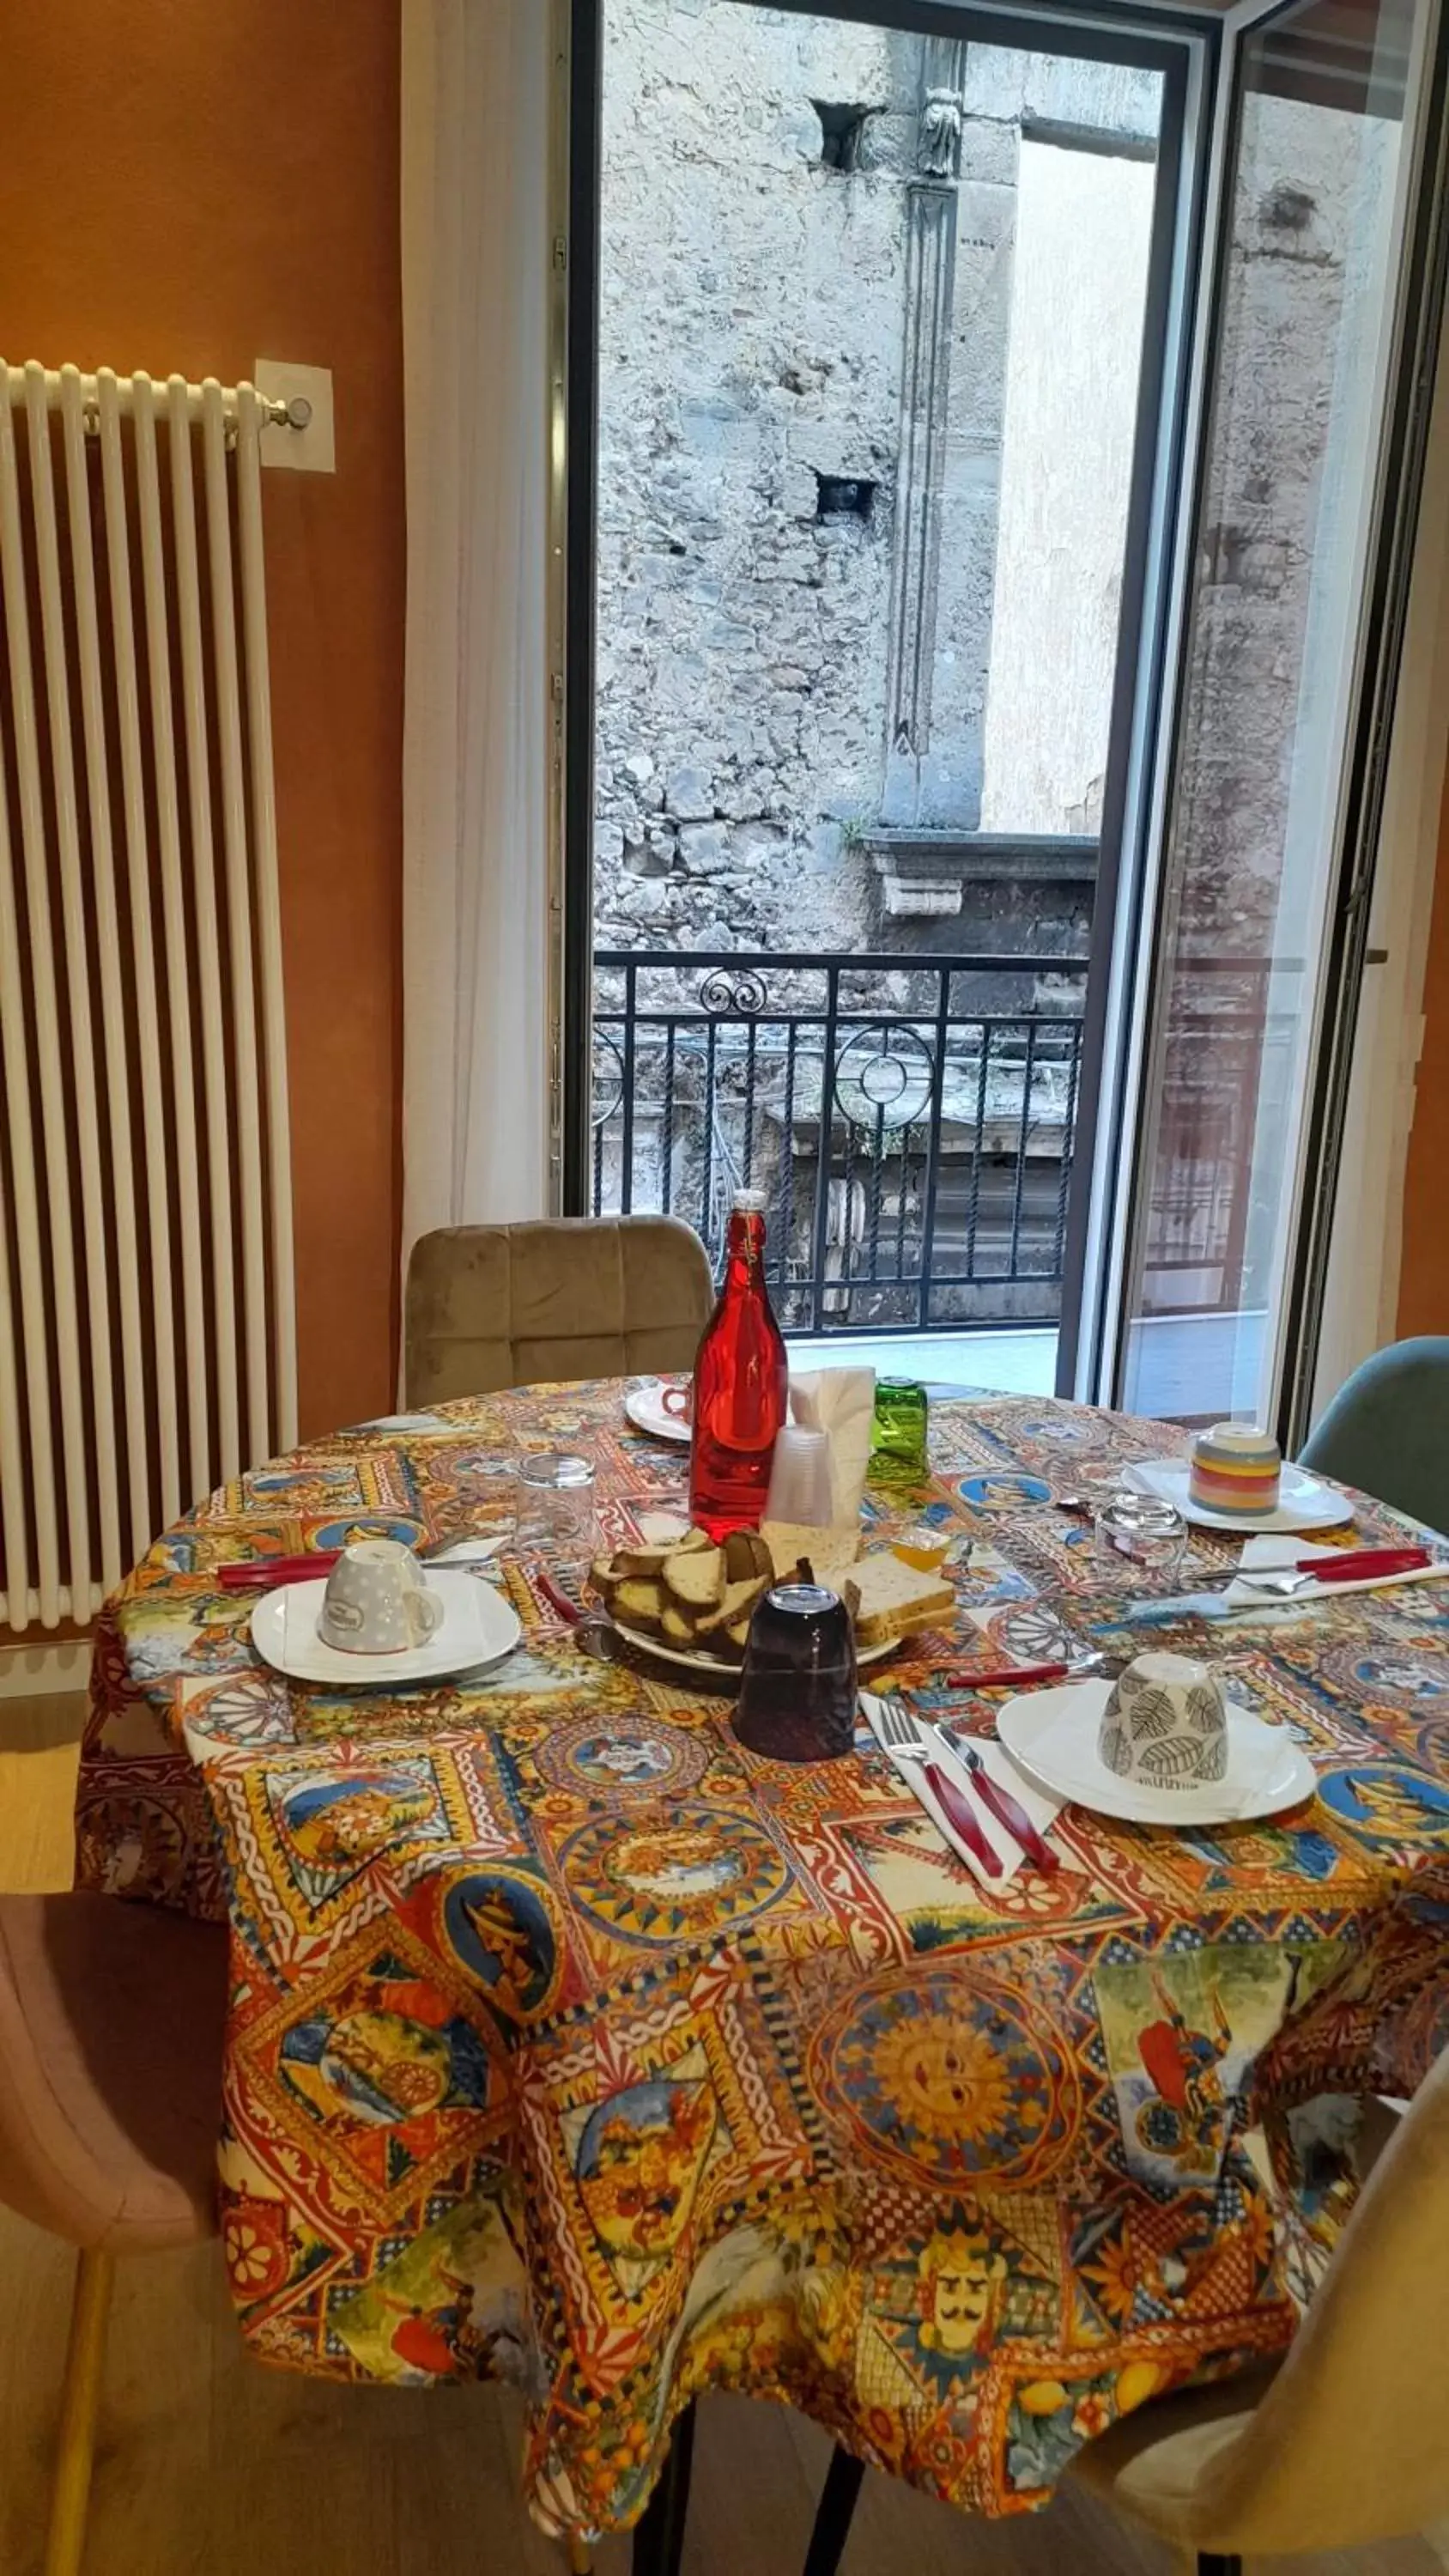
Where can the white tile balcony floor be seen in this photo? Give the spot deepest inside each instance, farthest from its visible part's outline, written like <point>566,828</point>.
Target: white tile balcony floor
<point>1003,1363</point>
<point>1190,1367</point>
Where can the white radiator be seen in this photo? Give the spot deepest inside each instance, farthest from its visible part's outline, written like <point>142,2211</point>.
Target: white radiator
<point>147,1329</point>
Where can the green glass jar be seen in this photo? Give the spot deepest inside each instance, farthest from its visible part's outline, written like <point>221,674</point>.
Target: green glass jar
<point>899,1452</point>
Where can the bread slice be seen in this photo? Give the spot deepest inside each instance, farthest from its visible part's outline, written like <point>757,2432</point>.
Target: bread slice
<point>739,1600</point>
<point>892,1599</point>
<point>829,1551</point>
<point>746,1557</point>
<point>640,1560</point>
<point>696,1576</point>
<point>674,1627</point>
<point>638,1604</point>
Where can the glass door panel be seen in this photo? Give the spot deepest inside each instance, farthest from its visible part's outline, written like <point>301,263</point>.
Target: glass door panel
<point>1317,186</point>
<point>878,325</point>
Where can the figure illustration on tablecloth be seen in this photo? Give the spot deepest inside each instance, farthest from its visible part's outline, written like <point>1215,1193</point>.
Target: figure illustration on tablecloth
<point>639,2162</point>
<point>961,2277</point>
<point>1184,2068</point>
<point>1389,1805</point>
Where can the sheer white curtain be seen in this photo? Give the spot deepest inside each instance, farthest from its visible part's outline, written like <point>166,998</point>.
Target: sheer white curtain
<point>474,254</point>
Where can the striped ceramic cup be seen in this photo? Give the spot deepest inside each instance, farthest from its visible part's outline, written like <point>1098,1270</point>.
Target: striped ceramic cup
<point>1235,1469</point>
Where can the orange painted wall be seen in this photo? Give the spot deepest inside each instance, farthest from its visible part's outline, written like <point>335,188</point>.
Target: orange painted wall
<point>192,187</point>
<point>1424,1274</point>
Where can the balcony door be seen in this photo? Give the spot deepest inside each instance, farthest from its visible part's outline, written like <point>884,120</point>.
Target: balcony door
<point>1236,997</point>
<point>992,452</point>
<point>872,317</point>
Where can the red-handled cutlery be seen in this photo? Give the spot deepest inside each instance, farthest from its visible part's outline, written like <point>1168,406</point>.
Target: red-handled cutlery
<point>901,1737</point>
<point>265,1573</point>
<point>1355,1564</point>
<point>1012,1676</point>
<point>1007,1810</point>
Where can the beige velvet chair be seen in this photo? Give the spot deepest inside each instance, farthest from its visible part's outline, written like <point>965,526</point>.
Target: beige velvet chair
<point>1348,2440</point>
<point>111,2024</point>
<point>490,1306</point>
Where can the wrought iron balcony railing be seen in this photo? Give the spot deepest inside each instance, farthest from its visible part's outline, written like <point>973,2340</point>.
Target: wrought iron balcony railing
<point>909,1119</point>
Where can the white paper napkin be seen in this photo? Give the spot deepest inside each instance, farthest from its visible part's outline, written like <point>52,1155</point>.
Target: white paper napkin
<point>841,1403</point>
<point>1274,1553</point>
<point>1039,1805</point>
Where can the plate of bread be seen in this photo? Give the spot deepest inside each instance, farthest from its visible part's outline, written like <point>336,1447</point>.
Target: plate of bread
<point>689,1601</point>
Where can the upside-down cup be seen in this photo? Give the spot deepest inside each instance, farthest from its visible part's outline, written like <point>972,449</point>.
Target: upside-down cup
<point>798,1688</point>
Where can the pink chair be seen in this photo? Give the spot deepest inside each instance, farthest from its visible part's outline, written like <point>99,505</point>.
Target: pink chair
<point>111,2021</point>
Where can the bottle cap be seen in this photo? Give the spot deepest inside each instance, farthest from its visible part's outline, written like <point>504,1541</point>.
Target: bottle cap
<point>749,1203</point>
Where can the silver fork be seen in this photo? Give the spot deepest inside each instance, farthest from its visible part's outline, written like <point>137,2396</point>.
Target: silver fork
<point>909,1742</point>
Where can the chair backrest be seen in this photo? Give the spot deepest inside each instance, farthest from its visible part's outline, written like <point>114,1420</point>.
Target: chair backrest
<point>1351,2441</point>
<point>111,2029</point>
<point>1387,1430</point>
<point>501,1305</point>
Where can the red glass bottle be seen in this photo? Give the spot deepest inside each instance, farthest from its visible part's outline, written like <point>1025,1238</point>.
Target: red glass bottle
<point>741,1385</point>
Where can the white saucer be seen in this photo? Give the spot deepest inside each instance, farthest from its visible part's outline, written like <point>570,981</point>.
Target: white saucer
<point>643,1408</point>
<point>1303,1503</point>
<point>1052,1734</point>
<point>477,1627</point>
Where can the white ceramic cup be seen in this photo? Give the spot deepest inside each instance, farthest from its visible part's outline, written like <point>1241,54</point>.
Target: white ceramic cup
<point>377,1600</point>
<point>1165,1724</point>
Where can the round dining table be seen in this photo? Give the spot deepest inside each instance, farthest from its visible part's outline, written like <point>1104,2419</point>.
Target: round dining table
<point>571,2042</point>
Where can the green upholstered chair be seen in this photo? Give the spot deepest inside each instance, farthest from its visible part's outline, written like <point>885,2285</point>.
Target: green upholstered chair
<point>1387,1430</point>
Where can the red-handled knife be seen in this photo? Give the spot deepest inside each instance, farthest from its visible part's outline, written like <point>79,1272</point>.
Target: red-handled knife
<point>265,1573</point>
<point>1359,1564</point>
<point>956,1807</point>
<point>1007,1810</point>
<point>1010,1676</point>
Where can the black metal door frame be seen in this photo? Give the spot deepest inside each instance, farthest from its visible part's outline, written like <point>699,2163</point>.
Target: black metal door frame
<point>1409,397</point>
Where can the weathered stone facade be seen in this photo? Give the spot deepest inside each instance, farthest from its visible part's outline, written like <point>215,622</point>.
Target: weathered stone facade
<point>806,304</point>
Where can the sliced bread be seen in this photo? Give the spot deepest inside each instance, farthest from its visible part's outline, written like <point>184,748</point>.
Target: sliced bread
<point>696,1577</point>
<point>739,1600</point>
<point>638,1604</point>
<point>829,1552</point>
<point>892,1599</point>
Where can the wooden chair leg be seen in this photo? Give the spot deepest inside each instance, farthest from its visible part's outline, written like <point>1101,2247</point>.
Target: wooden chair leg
<point>659,2534</point>
<point>833,2513</point>
<point>84,2361</point>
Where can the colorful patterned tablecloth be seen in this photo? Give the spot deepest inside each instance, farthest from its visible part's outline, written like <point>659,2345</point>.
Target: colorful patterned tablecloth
<point>570,2042</point>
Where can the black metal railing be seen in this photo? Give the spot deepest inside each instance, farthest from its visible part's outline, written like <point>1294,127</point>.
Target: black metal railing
<point>910,1121</point>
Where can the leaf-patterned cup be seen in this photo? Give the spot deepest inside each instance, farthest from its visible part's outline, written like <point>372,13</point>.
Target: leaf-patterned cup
<point>1165,1724</point>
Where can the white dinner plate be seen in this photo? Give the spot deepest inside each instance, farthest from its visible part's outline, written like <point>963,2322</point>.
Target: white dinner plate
<point>1052,1734</point>
<point>644,1408</point>
<point>477,1627</point>
<point>696,1660</point>
<point>1303,1503</point>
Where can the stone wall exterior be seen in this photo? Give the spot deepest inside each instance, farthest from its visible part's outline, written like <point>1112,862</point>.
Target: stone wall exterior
<point>783,675</point>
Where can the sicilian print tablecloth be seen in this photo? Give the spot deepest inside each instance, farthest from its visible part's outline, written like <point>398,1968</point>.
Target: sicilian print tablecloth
<point>568,2041</point>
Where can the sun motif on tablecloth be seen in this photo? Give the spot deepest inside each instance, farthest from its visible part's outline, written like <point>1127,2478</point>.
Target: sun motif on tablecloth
<point>958,2078</point>
<point>949,2084</point>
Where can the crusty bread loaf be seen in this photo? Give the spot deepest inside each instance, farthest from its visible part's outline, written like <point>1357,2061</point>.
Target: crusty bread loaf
<point>892,1599</point>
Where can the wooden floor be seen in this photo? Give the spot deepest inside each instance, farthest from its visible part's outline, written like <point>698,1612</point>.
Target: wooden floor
<point>210,2466</point>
